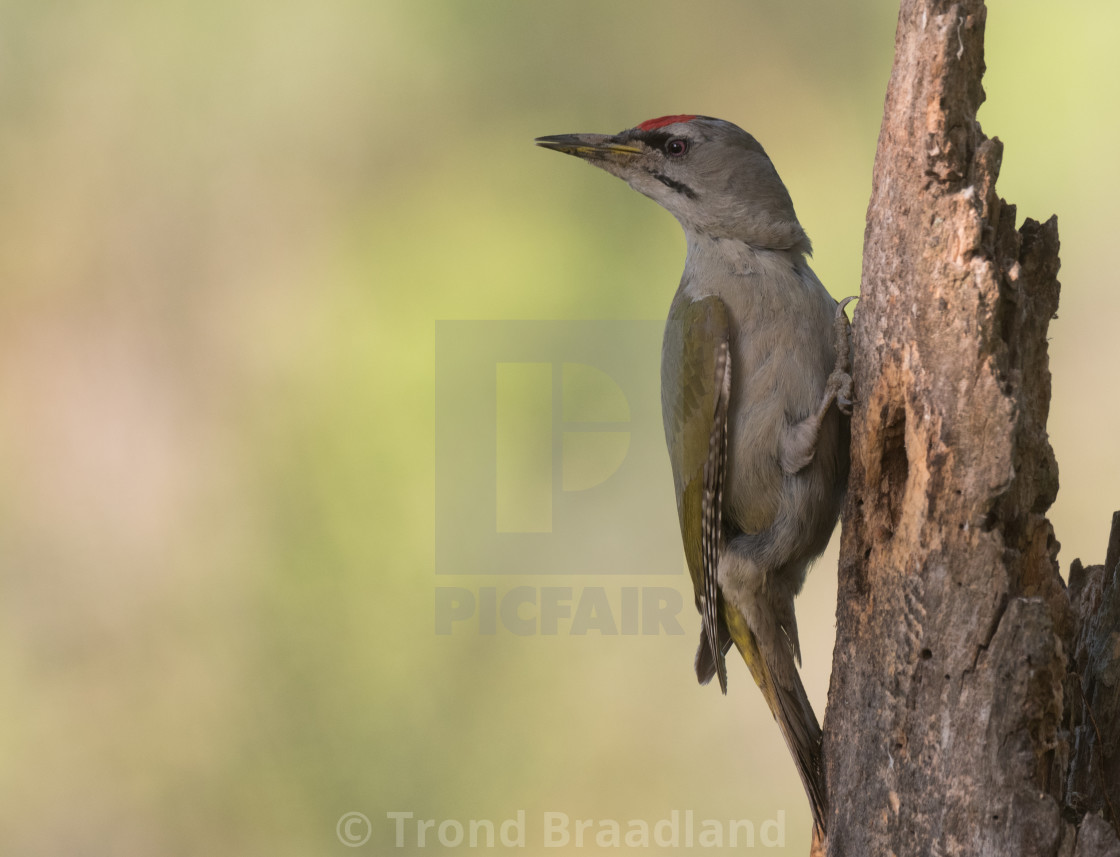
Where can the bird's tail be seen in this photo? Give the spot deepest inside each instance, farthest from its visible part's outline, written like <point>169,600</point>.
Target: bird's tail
<point>778,679</point>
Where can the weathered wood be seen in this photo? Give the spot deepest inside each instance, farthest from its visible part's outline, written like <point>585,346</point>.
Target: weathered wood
<point>1093,688</point>
<point>946,729</point>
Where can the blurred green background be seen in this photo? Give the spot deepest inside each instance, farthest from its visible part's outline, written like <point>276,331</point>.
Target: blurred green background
<point>227,231</point>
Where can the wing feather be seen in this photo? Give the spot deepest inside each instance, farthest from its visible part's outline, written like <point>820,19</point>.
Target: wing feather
<point>711,509</point>
<point>695,395</point>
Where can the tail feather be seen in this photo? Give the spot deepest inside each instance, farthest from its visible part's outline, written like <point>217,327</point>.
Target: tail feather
<point>777,677</point>
<point>799,727</point>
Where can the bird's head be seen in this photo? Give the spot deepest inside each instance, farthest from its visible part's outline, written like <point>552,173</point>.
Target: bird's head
<point>711,175</point>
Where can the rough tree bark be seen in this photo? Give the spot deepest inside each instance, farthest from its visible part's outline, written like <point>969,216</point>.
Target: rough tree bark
<point>974,701</point>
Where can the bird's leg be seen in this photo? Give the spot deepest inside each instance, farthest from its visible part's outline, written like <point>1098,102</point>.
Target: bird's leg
<point>841,377</point>
<point>798,443</point>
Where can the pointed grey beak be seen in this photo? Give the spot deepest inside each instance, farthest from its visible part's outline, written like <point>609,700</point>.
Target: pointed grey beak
<point>590,147</point>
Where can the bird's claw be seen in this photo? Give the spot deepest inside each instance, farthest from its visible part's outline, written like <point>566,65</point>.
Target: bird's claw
<point>840,306</point>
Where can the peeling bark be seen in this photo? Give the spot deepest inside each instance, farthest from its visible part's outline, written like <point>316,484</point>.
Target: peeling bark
<point>951,709</point>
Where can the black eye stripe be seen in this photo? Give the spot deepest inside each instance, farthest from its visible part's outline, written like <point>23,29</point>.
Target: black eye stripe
<point>655,139</point>
<point>662,141</point>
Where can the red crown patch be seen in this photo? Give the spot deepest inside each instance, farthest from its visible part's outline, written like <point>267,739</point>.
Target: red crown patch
<point>662,121</point>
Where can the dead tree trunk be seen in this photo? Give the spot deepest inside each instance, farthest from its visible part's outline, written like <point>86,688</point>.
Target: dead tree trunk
<point>974,702</point>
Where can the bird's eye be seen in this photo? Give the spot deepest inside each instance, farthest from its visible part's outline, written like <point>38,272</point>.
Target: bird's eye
<point>676,147</point>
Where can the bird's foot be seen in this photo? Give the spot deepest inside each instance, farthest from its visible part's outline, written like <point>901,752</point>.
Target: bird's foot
<point>839,390</point>
<point>798,443</point>
<point>839,385</point>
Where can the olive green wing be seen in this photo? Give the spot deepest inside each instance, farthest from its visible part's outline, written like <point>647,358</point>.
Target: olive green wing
<point>695,392</point>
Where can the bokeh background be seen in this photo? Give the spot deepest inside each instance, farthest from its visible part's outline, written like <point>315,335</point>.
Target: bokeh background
<point>227,231</point>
